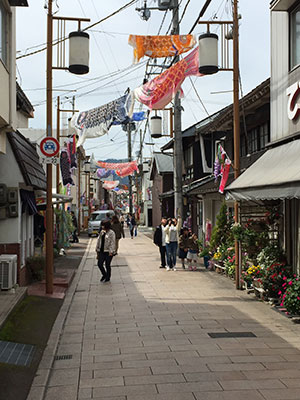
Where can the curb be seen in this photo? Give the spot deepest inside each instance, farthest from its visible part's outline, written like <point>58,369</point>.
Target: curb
<point>38,389</point>
<point>20,297</point>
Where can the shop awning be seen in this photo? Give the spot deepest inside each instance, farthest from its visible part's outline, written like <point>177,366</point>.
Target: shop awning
<point>275,175</point>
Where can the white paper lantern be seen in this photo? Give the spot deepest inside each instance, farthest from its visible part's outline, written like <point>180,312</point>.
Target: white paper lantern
<point>79,52</point>
<point>156,126</point>
<point>208,53</point>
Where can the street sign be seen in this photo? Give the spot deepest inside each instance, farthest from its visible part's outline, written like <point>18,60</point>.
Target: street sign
<point>49,147</point>
<point>50,160</point>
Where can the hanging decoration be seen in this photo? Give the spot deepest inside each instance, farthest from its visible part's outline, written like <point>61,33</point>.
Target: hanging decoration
<point>97,121</point>
<point>117,166</point>
<point>127,171</point>
<point>65,168</point>
<point>160,46</point>
<point>157,93</point>
<point>109,185</point>
<point>104,173</point>
<point>222,167</point>
<point>136,117</point>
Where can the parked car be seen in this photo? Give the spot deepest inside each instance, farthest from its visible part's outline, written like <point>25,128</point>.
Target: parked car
<point>95,221</point>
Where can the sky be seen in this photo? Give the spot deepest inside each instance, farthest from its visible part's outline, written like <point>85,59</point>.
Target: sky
<point>111,62</point>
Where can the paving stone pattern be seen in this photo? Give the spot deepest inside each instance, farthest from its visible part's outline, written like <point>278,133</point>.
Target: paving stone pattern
<point>145,336</point>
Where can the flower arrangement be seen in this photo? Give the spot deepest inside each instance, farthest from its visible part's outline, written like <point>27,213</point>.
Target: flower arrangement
<point>217,255</point>
<point>273,215</point>
<point>253,272</point>
<point>274,277</point>
<point>230,265</point>
<point>290,295</point>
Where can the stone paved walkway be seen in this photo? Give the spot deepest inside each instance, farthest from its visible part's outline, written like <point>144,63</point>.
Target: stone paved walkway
<point>144,336</point>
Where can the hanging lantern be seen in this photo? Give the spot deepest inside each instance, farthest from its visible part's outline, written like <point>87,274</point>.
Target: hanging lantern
<point>208,53</point>
<point>79,52</point>
<point>156,126</point>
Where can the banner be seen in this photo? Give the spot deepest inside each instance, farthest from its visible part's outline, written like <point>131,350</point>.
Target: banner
<point>161,90</point>
<point>97,121</point>
<point>160,46</point>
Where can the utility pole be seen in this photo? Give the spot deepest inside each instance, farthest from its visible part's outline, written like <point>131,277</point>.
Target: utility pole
<point>58,139</point>
<point>236,128</point>
<point>129,159</point>
<point>177,160</point>
<point>49,210</point>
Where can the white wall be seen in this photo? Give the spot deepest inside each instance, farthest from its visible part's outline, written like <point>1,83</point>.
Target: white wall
<point>281,77</point>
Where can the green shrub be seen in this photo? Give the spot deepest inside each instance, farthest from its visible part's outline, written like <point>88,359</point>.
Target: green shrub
<point>36,266</point>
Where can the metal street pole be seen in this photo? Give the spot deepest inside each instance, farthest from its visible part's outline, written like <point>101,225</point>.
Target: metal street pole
<point>236,128</point>
<point>129,159</point>
<point>49,210</point>
<point>178,207</point>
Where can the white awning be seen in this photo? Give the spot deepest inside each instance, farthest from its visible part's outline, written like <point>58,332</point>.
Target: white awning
<point>275,175</point>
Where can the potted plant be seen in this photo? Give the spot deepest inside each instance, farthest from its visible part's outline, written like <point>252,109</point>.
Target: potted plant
<point>36,267</point>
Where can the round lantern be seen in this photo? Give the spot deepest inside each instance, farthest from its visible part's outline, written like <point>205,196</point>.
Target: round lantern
<point>79,52</point>
<point>208,53</point>
<point>156,126</point>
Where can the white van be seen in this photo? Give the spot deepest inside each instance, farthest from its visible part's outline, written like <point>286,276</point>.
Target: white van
<point>95,221</point>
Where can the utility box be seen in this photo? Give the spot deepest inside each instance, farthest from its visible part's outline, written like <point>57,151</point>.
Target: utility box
<point>13,210</point>
<point>12,195</point>
<point>3,193</point>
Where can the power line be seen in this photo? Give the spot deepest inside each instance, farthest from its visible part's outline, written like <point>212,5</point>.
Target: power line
<point>54,43</point>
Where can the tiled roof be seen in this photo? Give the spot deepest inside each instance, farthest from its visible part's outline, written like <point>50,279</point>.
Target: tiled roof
<point>28,160</point>
<point>23,103</point>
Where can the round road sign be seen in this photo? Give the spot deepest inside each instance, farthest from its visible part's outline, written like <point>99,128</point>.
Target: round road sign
<point>49,146</point>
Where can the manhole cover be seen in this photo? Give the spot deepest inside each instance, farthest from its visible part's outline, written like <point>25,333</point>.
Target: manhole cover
<point>16,353</point>
<point>218,335</point>
<point>63,357</point>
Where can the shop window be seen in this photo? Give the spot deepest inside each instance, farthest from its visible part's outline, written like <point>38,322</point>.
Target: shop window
<point>264,135</point>
<point>3,33</point>
<point>252,141</point>
<point>189,162</point>
<point>295,37</point>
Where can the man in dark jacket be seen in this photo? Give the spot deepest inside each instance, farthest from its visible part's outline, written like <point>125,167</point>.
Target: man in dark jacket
<point>160,241</point>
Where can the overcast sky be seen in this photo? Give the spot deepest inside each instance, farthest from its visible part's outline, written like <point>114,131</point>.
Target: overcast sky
<point>110,54</point>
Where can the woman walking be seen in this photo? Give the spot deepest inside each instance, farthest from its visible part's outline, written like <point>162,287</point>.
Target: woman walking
<point>132,225</point>
<point>106,245</point>
<point>172,235</point>
<point>117,227</point>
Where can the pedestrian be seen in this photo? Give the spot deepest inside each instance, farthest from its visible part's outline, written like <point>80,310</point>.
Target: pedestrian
<point>193,249</point>
<point>128,220</point>
<point>132,226</point>
<point>160,240</point>
<point>117,227</point>
<point>105,248</point>
<point>108,217</point>
<point>75,225</point>
<point>172,230</point>
<point>183,245</point>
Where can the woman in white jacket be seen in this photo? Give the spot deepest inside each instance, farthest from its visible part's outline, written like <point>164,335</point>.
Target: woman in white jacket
<point>172,230</point>
<point>105,249</point>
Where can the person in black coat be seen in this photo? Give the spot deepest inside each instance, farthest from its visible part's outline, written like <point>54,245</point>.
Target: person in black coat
<point>160,241</point>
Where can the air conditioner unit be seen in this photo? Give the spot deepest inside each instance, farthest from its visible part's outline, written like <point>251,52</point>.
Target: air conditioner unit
<point>8,271</point>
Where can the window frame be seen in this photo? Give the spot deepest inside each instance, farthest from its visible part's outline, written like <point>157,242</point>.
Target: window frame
<point>292,63</point>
